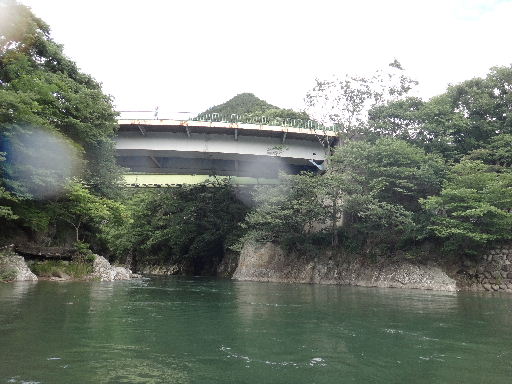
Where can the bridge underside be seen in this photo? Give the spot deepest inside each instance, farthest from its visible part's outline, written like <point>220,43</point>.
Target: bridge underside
<point>200,164</point>
<point>189,151</point>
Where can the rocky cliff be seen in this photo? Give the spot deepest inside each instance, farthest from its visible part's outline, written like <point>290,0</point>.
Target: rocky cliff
<point>268,262</point>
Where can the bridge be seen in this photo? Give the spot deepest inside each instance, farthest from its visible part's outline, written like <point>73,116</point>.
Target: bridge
<point>167,151</point>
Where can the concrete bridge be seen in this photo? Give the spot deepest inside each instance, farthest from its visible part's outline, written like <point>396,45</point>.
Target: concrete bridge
<point>159,151</point>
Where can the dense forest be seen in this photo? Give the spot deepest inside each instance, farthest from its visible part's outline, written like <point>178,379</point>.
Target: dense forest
<point>403,171</point>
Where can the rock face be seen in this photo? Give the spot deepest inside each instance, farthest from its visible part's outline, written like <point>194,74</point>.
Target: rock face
<point>228,265</point>
<point>268,262</point>
<point>103,271</point>
<point>11,262</point>
<point>164,270</point>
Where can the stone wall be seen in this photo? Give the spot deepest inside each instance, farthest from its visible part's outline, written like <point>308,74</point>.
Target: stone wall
<point>491,272</point>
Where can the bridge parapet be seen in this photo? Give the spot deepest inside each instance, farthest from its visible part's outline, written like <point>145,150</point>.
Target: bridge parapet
<point>262,120</point>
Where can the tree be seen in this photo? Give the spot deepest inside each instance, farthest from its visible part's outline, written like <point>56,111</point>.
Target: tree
<point>80,207</point>
<point>189,225</point>
<point>463,119</point>
<point>382,183</point>
<point>498,153</point>
<point>42,90</point>
<point>287,212</point>
<point>343,104</point>
<point>6,197</point>
<point>474,209</point>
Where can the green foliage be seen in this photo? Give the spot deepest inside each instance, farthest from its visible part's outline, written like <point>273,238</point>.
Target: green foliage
<point>498,152</point>
<point>56,268</point>
<point>463,119</point>
<point>41,90</point>
<point>371,189</point>
<point>390,170</point>
<point>83,252</point>
<point>286,212</point>
<point>80,207</point>
<point>384,182</point>
<point>189,224</point>
<point>474,209</point>
<point>7,274</point>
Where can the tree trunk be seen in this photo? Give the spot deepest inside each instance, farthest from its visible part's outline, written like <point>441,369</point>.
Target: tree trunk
<point>334,223</point>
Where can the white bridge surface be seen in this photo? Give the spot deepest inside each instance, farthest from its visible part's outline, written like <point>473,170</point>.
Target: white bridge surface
<point>222,148</point>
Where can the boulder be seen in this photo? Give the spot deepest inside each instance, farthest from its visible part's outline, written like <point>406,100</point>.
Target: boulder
<point>15,264</point>
<point>103,271</point>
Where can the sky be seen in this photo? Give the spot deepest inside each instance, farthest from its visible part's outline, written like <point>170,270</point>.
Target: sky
<point>189,55</point>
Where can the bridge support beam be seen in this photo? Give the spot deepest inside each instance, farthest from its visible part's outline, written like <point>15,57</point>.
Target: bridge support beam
<point>154,160</point>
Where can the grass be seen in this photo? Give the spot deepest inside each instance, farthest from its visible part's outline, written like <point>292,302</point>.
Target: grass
<point>7,274</point>
<point>56,268</point>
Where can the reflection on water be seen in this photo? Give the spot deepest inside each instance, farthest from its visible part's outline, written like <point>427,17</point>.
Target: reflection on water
<point>197,330</point>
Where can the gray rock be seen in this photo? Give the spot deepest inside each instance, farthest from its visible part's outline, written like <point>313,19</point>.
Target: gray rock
<point>122,273</point>
<point>495,287</point>
<point>9,261</point>
<point>164,270</point>
<point>487,286</point>
<point>496,274</point>
<point>267,262</point>
<point>103,271</point>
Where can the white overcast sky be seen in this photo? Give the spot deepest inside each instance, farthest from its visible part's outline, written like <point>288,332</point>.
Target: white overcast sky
<point>189,55</point>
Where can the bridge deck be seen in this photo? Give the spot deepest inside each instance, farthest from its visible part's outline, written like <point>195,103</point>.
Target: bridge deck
<point>222,127</point>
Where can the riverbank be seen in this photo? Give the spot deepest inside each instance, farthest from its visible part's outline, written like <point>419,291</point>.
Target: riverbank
<point>269,263</point>
<point>13,267</point>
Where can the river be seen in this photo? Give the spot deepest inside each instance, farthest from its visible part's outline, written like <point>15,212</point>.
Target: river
<point>199,330</point>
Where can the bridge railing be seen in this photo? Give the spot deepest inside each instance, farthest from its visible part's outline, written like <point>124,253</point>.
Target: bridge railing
<point>262,120</point>
<point>235,118</point>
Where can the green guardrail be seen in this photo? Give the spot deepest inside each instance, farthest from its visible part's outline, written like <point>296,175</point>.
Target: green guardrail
<point>275,121</point>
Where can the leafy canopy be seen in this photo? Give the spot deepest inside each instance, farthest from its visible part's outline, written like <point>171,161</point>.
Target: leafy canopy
<point>474,209</point>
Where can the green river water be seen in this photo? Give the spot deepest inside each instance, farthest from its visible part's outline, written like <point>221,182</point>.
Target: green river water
<point>198,330</point>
